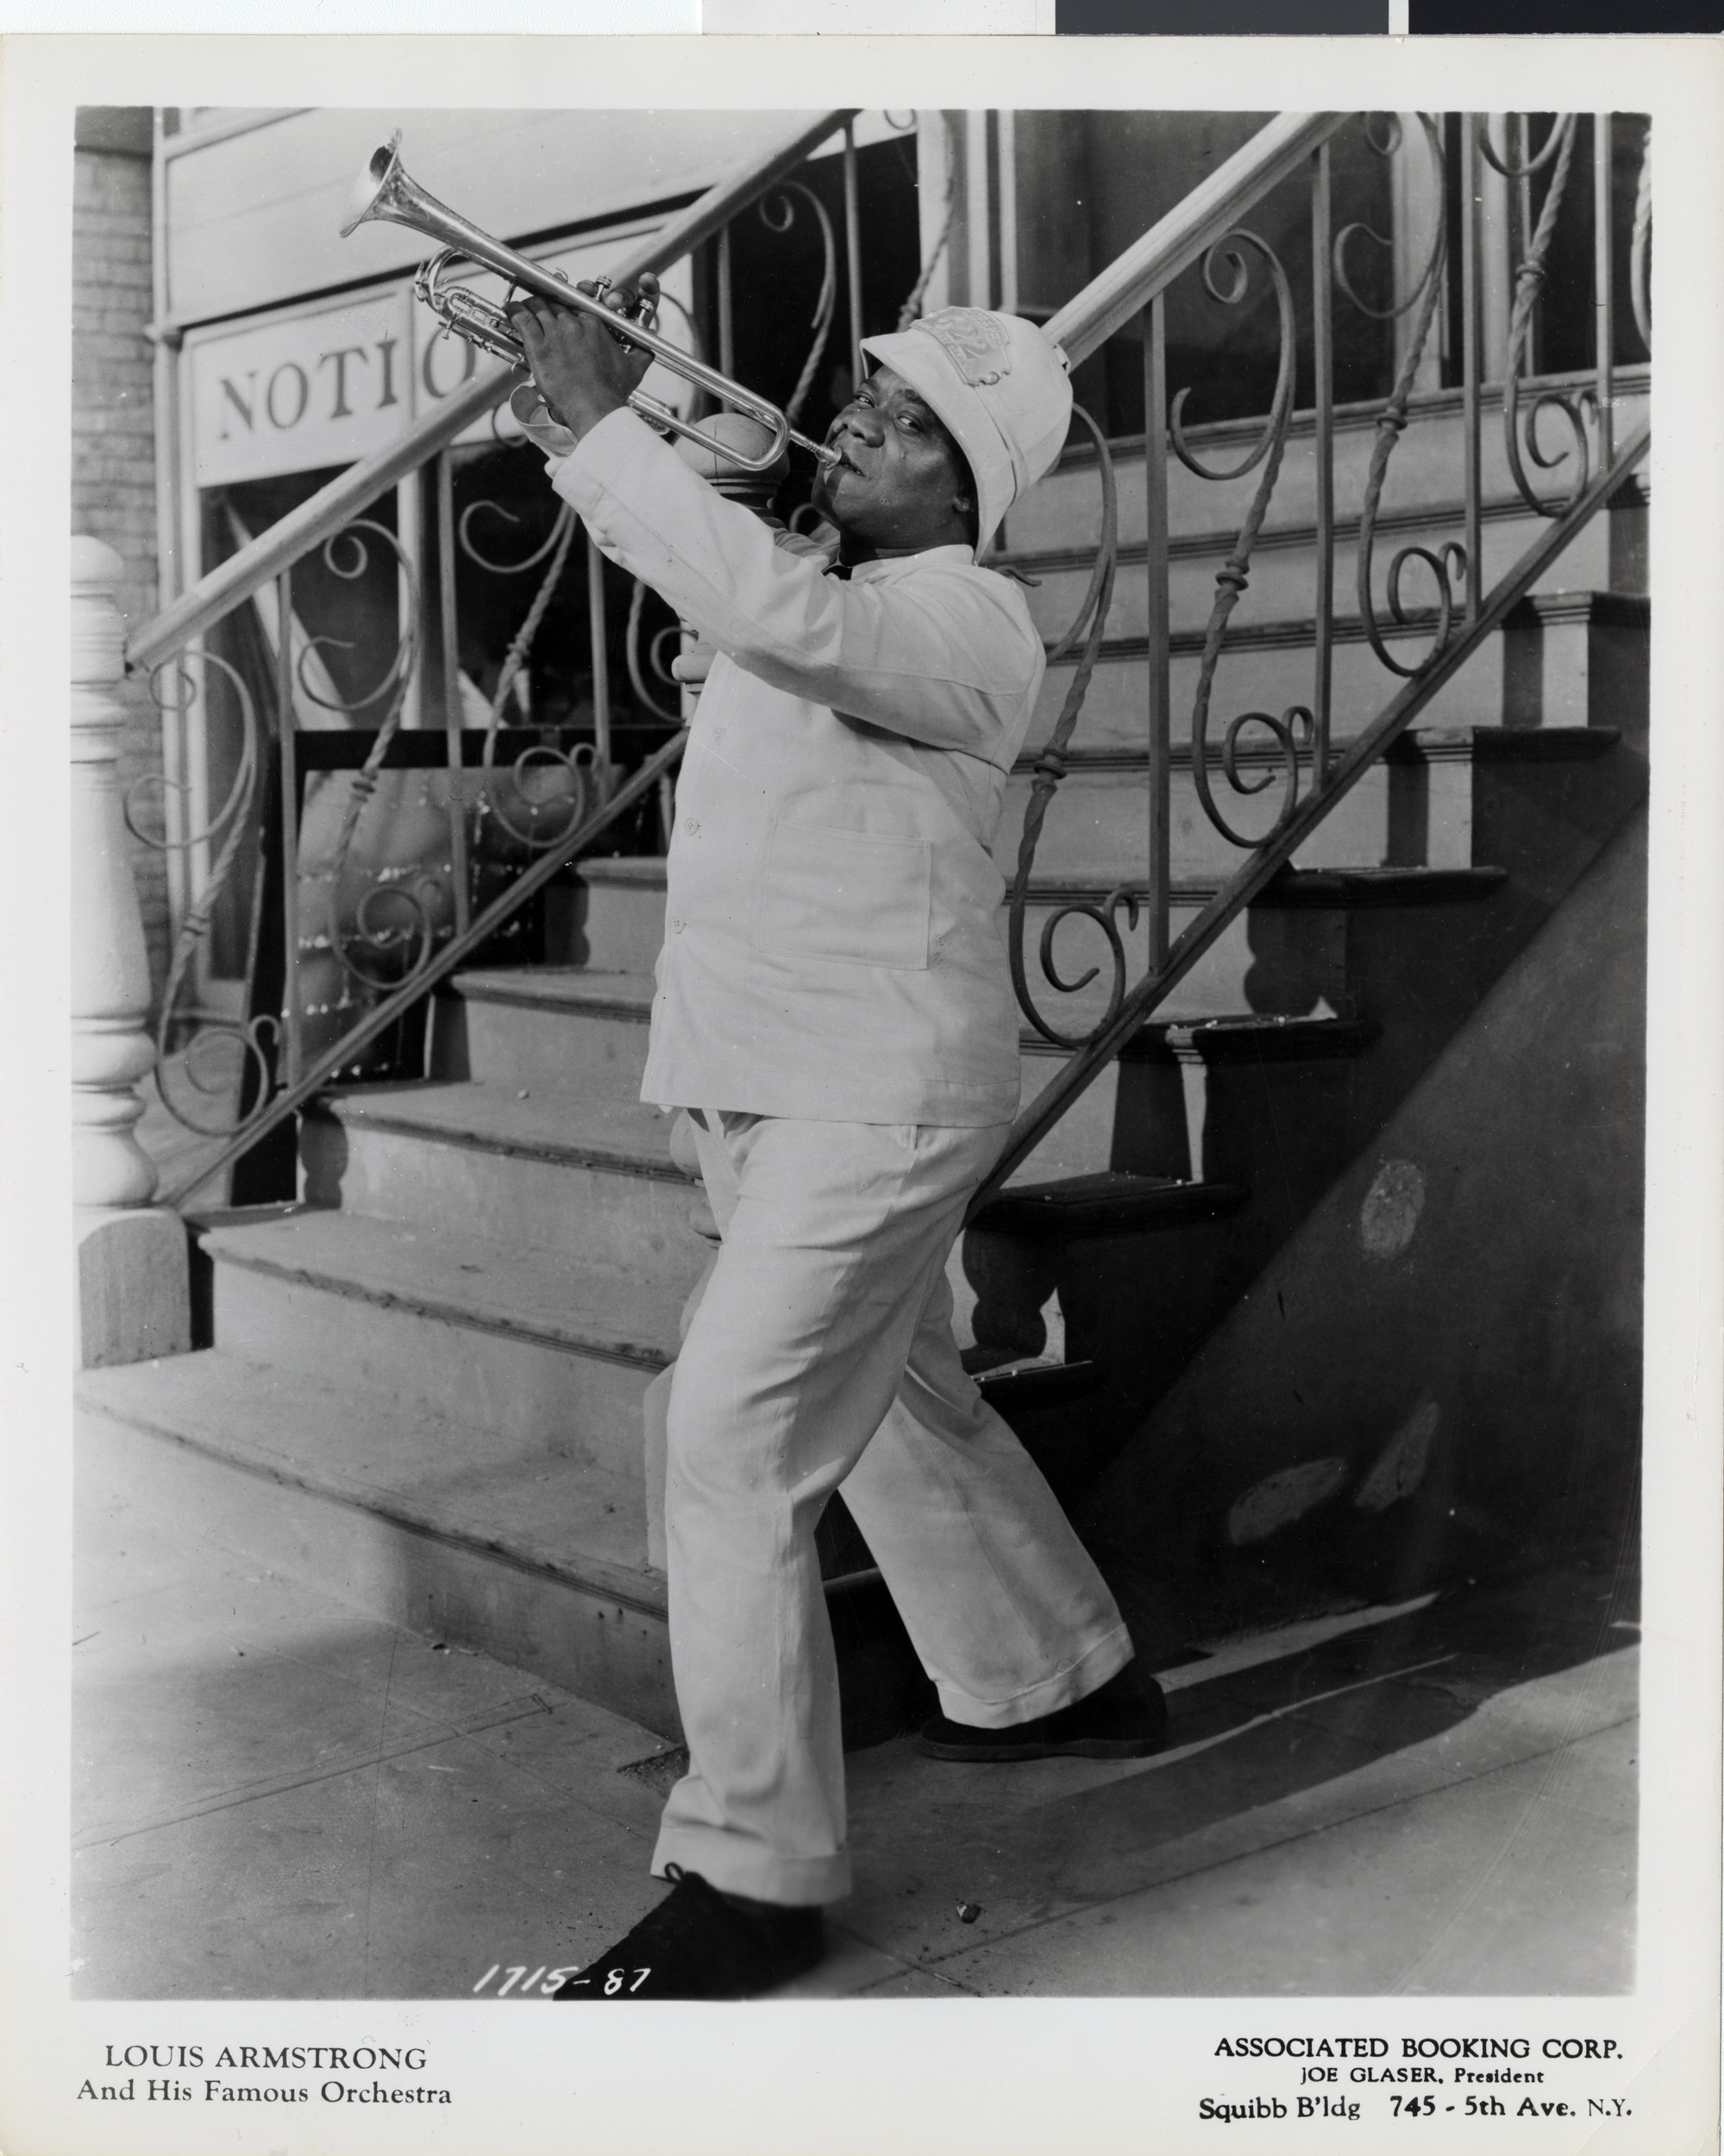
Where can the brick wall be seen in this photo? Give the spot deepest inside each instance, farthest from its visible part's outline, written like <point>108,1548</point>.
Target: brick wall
<point>113,425</point>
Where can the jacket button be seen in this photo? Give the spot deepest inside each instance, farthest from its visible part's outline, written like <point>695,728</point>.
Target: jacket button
<point>676,926</point>
<point>691,826</point>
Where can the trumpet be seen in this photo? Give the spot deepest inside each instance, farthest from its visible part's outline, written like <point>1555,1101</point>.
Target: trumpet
<point>384,193</point>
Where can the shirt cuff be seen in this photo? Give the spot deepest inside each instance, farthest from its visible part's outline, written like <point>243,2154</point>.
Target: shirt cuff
<point>603,456</point>
<point>532,416</point>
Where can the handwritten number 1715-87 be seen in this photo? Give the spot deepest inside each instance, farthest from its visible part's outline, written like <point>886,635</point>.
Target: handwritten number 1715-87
<point>616,1980</point>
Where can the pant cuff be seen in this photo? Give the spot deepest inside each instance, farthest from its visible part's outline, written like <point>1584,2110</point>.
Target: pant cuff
<point>736,1866</point>
<point>1087,1674</point>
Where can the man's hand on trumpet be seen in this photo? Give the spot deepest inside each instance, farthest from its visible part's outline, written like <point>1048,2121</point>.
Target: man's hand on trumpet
<point>583,370</point>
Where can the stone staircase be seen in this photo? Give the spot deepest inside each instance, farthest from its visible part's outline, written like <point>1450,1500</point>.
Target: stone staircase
<point>426,1382</point>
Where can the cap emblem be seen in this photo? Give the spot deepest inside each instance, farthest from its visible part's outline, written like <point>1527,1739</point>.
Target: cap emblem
<point>974,341</point>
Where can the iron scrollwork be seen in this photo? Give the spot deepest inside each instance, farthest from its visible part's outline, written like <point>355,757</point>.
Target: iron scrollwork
<point>1294,729</point>
<point>547,790</point>
<point>649,670</point>
<point>1447,565</point>
<point>1050,766</point>
<point>1520,435</point>
<point>213,1061</point>
<point>389,932</point>
<point>778,214</point>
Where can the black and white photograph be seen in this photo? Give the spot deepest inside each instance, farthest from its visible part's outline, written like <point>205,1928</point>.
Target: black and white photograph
<point>889,980</point>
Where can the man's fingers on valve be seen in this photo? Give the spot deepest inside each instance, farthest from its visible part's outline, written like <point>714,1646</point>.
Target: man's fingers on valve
<point>532,319</point>
<point>635,302</point>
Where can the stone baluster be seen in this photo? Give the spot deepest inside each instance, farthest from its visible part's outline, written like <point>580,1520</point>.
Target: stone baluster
<point>133,1289</point>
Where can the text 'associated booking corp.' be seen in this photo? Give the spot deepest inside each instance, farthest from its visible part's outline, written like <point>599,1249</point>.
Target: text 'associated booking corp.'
<point>1360,2078</point>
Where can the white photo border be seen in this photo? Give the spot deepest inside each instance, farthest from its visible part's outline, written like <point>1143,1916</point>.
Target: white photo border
<point>1000,2076</point>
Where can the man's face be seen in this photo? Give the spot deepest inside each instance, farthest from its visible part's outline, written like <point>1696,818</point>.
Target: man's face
<point>901,483</point>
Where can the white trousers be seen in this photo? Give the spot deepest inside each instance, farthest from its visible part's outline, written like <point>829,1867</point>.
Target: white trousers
<point>822,1354</point>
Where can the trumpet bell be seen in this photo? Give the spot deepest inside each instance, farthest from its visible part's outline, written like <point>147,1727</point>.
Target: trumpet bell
<point>374,176</point>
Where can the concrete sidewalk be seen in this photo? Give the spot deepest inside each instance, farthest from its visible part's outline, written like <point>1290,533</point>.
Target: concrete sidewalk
<point>277,1797</point>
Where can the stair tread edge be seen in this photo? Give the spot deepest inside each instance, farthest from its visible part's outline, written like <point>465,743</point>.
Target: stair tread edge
<point>563,1127</point>
<point>364,1258</point>
<point>560,1559</point>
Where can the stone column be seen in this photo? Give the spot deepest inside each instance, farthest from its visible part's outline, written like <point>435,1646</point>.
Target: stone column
<point>133,1287</point>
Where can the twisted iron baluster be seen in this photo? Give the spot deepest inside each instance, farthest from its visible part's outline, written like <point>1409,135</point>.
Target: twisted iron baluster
<point>826,305</point>
<point>1529,283</point>
<point>1232,578</point>
<point>1050,766</point>
<point>577,766</point>
<point>1450,561</point>
<point>393,685</point>
<point>372,931</point>
<point>254,1038</point>
<point>1641,248</point>
<point>542,757</point>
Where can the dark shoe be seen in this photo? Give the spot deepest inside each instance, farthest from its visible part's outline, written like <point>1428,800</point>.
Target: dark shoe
<point>697,1944</point>
<point>1123,1719</point>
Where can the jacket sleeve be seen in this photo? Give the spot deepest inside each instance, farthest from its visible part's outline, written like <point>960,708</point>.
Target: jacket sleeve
<point>938,657</point>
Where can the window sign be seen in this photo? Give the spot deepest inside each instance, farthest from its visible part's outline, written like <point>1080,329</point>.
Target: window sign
<point>294,392</point>
<point>336,381</point>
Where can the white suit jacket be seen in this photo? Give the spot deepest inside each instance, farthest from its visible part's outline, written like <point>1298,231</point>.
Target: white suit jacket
<point>833,937</point>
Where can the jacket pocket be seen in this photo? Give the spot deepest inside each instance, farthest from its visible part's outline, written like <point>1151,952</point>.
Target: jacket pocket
<point>851,896</point>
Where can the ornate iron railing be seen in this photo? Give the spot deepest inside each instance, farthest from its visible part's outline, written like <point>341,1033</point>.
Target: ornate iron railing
<point>391,944</point>
<point>1296,744</point>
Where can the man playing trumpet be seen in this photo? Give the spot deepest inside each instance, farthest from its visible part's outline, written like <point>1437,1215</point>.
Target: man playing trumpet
<point>835,1011</point>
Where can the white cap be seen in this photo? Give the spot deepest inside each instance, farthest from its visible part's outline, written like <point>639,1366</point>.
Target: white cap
<point>1000,390</point>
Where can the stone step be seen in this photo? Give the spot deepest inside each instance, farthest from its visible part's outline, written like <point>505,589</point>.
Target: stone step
<point>1419,807</point>
<point>591,1180</point>
<point>448,1524</point>
<point>1607,556</point>
<point>1096,828</point>
<point>545,1350</point>
<point>1104,1202</point>
<point>517,1028</point>
<point>1564,658</point>
<point>1426,467</point>
<point>611,919</point>
<point>453,1527</point>
<point>1158,1109</point>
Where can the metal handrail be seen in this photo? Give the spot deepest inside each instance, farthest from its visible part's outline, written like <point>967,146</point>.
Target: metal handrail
<point>347,497</point>
<point>1171,246</point>
<point>1080,1072</point>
